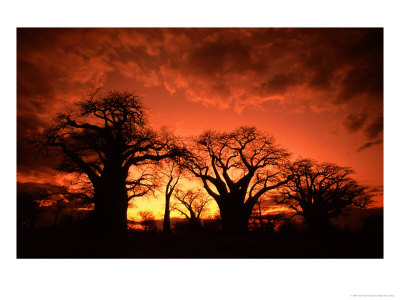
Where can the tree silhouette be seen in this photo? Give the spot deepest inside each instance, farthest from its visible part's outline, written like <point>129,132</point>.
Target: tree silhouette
<point>257,214</point>
<point>173,175</point>
<point>103,137</point>
<point>320,192</point>
<point>263,217</point>
<point>236,169</point>
<point>191,204</point>
<point>148,221</point>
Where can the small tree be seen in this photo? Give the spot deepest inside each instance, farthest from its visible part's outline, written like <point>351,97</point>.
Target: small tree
<point>172,174</point>
<point>320,192</point>
<point>191,204</point>
<point>148,221</point>
<point>258,215</point>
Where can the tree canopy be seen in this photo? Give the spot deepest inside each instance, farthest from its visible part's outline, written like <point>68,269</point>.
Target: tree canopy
<point>236,169</point>
<point>320,191</point>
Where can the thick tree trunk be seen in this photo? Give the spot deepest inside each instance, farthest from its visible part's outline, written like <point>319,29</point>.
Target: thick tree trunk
<point>111,205</point>
<point>234,219</point>
<point>316,221</point>
<point>194,223</point>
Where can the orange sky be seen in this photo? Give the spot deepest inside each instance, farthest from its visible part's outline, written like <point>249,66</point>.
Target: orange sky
<point>318,91</point>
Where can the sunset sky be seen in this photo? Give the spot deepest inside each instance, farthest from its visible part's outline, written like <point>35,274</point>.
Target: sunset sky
<point>318,91</point>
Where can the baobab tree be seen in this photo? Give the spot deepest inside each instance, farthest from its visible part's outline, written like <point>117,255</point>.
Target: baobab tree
<point>321,191</point>
<point>236,169</point>
<point>104,137</point>
<point>191,204</point>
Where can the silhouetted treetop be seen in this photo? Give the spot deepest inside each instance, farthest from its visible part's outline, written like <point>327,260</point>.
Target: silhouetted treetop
<point>190,203</point>
<point>113,124</point>
<point>243,161</point>
<point>320,191</point>
<point>116,109</point>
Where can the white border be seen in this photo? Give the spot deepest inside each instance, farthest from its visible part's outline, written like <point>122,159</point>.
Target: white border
<point>198,279</point>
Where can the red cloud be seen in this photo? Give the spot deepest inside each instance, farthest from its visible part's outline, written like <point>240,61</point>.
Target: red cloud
<point>301,69</point>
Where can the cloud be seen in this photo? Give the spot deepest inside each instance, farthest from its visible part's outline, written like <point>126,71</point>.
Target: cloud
<point>323,68</point>
<point>374,128</point>
<point>298,69</point>
<point>35,187</point>
<point>355,121</point>
<point>370,124</point>
<point>280,82</point>
<point>221,67</point>
<point>369,144</point>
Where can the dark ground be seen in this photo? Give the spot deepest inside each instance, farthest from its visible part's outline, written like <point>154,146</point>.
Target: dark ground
<point>50,243</point>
